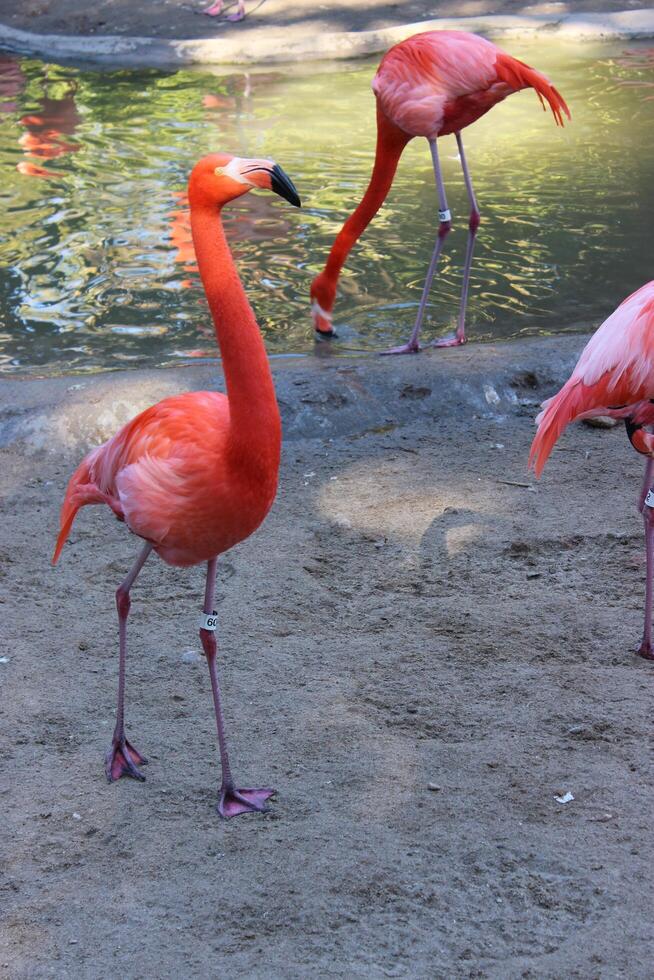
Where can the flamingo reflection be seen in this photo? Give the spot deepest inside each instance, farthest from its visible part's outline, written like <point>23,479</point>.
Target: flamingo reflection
<point>46,132</point>
<point>639,60</point>
<point>12,82</point>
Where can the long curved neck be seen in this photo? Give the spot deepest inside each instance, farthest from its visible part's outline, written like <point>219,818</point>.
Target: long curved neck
<point>254,415</point>
<point>391,141</point>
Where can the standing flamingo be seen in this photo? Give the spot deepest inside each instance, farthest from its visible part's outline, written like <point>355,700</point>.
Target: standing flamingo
<point>430,85</point>
<point>614,376</point>
<point>196,473</point>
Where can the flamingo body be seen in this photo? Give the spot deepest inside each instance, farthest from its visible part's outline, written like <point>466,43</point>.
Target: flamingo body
<point>430,85</point>
<point>436,83</point>
<point>174,477</point>
<point>614,376</point>
<point>195,474</point>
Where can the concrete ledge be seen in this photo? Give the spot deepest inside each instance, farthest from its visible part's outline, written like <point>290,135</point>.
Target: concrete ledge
<point>279,47</point>
<point>320,397</point>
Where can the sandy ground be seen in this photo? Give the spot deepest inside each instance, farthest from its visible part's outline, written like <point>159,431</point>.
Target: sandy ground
<point>183,18</point>
<point>415,611</point>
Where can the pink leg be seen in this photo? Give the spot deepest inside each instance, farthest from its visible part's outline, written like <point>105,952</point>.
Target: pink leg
<point>232,801</point>
<point>645,649</point>
<point>647,483</point>
<point>445,223</point>
<point>122,759</point>
<point>473,224</point>
<point>240,12</point>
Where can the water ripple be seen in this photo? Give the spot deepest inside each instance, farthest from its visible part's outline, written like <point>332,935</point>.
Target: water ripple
<point>96,264</point>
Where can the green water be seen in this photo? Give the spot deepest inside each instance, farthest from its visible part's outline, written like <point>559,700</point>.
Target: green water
<point>95,266</point>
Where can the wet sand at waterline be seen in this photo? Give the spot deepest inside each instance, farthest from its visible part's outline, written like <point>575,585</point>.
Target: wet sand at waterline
<point>421,649</point>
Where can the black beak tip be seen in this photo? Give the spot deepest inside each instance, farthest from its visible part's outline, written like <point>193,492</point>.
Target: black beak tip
<point>284,186</point>
<point>323,335</point>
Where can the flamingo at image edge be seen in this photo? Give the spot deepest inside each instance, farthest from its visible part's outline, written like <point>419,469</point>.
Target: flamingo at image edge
<point>196,473</point>
<point>430,85</point>
<point>614,376</point>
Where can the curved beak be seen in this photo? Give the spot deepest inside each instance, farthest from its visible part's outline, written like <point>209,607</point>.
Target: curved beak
<point>283,185</point>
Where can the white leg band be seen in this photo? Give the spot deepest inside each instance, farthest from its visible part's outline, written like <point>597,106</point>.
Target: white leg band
<point>209,621</point>
<point>649,499</point>
<point>445,215</point>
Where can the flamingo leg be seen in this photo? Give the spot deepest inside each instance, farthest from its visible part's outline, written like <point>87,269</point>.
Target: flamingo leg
<point>444,226</point>
<point>473,224</point>
<point>645,649</point>
<point>647,483</point>
<point>122,759</point>
<point>232,801</point>
<point>240,12</point>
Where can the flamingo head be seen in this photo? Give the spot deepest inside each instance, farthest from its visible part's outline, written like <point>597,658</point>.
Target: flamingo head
<point>322,303</point>
<point>221,177</point>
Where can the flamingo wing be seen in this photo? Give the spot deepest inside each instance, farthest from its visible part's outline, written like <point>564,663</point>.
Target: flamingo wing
<point>439,81</point>
<point>615,370</point>
<point>150,469</point>
<point>417,77</point>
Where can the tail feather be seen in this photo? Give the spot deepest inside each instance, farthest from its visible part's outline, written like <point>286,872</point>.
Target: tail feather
<point>72,503</point>
<point>519,75</point>
<point>557,413</point>
<point>66,525</point>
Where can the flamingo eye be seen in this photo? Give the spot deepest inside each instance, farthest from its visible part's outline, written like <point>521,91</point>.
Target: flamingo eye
<point>219,171</point>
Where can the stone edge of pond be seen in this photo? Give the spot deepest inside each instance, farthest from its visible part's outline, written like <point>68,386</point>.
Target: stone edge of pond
<point>321,396</point>
<point>270,46</point>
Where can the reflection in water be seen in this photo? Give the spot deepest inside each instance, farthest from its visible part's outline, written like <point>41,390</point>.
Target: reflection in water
<point>180,237</point>
<point>97,267</point>
<point>641,63</point>
<point>12,81</point>
<point>239,86</point>
<point>45,132</point>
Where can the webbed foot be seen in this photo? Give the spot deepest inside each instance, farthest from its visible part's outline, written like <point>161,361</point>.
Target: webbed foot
<point>234,801</point>
<point>408,348</point>
<point>450,341</point>
<point>122,759</point>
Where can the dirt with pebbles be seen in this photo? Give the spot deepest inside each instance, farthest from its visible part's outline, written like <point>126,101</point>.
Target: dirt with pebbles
<point>184,18</point>
<point>421,648</point>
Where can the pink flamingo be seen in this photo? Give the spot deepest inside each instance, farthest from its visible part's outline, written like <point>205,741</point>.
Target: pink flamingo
<point>614,376</point>
<point>217,8</point>
<point>196,473</point>
<point>431,85</point>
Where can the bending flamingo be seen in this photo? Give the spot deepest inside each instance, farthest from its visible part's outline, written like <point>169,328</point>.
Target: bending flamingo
<point>614,376</point>
<point>196,473</point>
<point>430,85</point>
